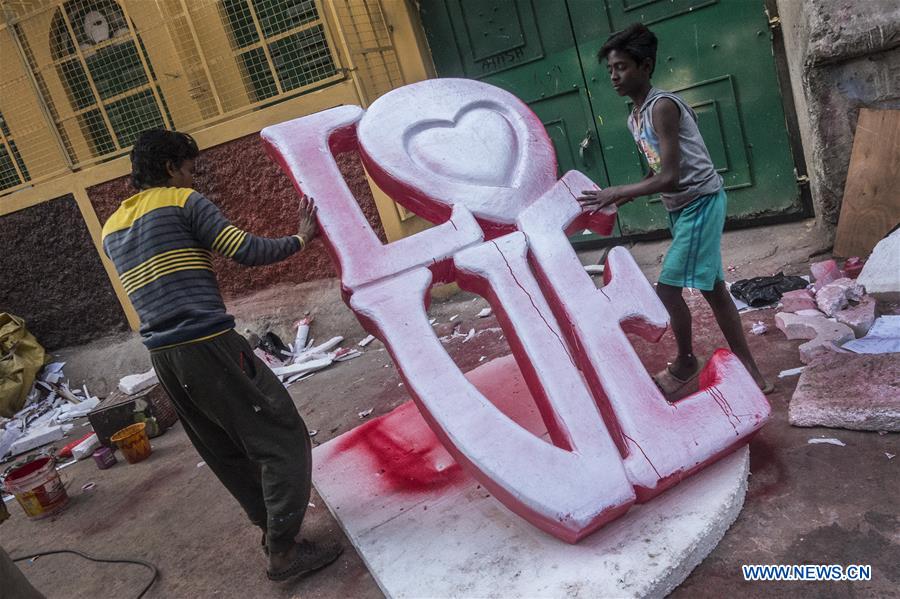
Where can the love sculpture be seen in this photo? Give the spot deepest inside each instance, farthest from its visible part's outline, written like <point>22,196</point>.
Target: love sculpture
<point>476,160</point>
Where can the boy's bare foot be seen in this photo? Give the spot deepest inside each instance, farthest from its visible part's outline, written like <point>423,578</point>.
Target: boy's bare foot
<point>302,559</point>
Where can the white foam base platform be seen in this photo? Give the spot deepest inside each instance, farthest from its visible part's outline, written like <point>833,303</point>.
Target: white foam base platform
<point>457,541</point>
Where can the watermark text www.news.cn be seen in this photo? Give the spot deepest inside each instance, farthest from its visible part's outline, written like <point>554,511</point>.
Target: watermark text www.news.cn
<point>806,572</point>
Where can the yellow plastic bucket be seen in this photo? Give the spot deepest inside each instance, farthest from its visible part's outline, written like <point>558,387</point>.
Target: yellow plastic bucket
<point>133,442</point>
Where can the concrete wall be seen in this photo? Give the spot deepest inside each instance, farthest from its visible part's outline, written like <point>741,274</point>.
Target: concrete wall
<point>256,196</point>
<point>842,55</point>
<point>51,275</point>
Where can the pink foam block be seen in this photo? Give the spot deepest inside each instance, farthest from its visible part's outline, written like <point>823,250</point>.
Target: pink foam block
<point>825,272</point>
<point>799,299</point>
<point>836,295</point>
<point>825,336</point>
<point>478,162</point>
<point>860,317</point>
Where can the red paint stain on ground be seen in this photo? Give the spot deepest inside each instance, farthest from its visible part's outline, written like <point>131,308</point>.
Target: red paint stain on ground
<point>770,478</point>
<point>406,454</point>
<point>403,451</point>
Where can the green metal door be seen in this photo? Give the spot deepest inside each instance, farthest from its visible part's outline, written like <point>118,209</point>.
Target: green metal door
<point>717,54</point>
<point>530,53</point>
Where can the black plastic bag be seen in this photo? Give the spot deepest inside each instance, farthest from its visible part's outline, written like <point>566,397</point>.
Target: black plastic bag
<point>762,291</point>
<point>272,344</point>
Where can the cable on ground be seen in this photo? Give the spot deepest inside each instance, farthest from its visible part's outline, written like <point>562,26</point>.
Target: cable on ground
<point>136,562</point>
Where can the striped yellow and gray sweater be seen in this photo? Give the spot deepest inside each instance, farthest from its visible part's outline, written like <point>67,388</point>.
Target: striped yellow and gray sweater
<point>160,241</point>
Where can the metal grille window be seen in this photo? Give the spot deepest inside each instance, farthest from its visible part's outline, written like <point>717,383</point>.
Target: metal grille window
<point>79,79</point>
<point>106,72</point>
<point>12,167</point>
<point>281,44</point>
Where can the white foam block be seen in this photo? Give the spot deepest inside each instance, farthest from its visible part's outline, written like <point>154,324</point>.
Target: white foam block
<point>135,383</point>
<point>36,438</point>
<point>458,541</point>
<point>86,447</point>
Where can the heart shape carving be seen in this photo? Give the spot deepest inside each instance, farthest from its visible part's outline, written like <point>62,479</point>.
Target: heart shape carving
<point>439,143</point>
<point>478,147</point>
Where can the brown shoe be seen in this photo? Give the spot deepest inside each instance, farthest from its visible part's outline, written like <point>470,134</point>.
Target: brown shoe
<point>302,559</point>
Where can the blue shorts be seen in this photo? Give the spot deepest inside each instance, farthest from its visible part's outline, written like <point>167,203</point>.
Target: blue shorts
<point>695,257</point>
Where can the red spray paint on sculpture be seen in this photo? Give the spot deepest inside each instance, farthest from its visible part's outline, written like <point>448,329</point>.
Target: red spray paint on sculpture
<point>475,159</point>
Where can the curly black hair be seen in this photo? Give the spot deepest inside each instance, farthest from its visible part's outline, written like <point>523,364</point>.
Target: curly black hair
<point>636,41</point>
<point>153,151</point>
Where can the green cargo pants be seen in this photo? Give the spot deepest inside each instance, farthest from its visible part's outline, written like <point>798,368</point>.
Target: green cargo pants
<point>244,425</point>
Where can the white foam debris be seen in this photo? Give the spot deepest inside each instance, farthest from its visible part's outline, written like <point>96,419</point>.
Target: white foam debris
<point>303,367</point>
<point>759,328</point>
<point>829,441</point>
<point>790,372</point>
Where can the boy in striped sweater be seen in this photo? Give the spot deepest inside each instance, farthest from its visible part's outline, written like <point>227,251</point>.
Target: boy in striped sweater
<point>235,411</point>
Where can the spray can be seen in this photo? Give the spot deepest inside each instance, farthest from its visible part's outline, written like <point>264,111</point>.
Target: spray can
<point>302,335</point>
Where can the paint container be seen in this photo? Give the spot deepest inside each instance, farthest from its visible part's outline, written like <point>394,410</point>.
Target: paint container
<point>37,487</point>
<point>104,458</point>
<point>133,442</point>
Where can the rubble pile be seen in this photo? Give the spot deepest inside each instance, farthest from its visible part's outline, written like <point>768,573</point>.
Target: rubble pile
<point>852,353</point>
<point>833,310</point>
<point>49,409</point>
<point>301,359</point>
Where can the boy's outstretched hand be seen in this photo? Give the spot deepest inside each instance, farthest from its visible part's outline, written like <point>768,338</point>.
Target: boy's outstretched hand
<point>597,199</point>
<point>307,212</point>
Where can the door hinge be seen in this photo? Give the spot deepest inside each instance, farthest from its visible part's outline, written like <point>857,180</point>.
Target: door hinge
<point>774,22</point>
<point>802,180</point>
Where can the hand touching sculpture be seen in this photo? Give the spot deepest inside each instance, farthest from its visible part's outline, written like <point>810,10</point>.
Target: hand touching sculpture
<point>307,226</point>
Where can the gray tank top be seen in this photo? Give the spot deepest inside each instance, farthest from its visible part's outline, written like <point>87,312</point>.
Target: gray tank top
<point>697,175</point>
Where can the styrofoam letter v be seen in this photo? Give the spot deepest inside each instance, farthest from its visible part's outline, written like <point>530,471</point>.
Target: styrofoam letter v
<point>568,493</point>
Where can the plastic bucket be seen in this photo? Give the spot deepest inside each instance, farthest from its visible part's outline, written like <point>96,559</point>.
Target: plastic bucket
<point>133,442</point>
<point>37,487</point>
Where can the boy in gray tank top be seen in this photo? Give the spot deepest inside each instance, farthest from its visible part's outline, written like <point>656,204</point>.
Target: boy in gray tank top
<point>665,129</point>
